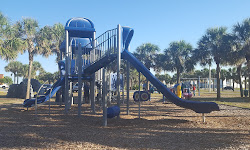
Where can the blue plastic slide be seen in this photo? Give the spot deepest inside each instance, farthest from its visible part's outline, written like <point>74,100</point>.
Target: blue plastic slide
<point>47,96</point>
<point>198,107</point>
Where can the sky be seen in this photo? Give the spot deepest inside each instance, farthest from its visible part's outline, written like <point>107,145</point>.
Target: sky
<point>156,21</point>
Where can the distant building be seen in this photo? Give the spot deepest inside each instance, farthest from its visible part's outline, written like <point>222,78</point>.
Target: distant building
<point>1,76</point>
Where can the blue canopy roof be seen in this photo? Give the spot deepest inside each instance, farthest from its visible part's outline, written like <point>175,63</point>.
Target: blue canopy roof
<point>80,27</point>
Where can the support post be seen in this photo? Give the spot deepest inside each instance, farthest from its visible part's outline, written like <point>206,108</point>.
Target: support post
<point>104,98</point>
<point>59,93</point>
<point>123,99</point>
<point>203,118</point>
<point>118,63</point>
<point>35,104</point>
<point>66,89</point>
<point>110,87</point>
<point>50,90</point>
<point>70,94</point>
<point>92,83</point>
<point>139,107</point>
<point>79,64</point>
<point>128,68</point>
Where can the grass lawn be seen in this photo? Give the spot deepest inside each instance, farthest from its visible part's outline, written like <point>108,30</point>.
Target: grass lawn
<point>228,97</point>
<point>4,100</point>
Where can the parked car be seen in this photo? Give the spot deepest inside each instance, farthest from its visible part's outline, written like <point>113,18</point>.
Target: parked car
<point>229,88</point>
<point>4,86</point>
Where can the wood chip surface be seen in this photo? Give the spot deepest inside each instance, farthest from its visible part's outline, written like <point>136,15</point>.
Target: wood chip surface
<point>161,126</point>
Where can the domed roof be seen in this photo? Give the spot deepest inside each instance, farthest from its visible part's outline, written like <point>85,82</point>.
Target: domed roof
<point>80,27</point>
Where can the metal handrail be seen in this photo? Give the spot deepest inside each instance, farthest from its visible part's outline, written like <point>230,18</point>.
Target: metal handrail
<point>106,45</point>
<point>37,96</point>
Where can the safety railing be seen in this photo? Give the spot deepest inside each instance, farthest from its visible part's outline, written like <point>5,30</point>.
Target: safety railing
<point>103,45</point>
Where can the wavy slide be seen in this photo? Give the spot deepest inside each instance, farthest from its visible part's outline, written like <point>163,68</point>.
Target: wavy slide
<point>198,107</point>
<point>56,86</point>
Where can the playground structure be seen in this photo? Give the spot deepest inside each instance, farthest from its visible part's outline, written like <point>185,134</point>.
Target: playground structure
<point>201,83</point>
<point>86,59</point>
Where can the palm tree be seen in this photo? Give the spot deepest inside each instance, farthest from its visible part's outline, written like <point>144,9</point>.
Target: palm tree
<point>3,23</point>
<point>58,35</point>
<point>28,29</point>
<point>10,44</point>
<point>158,62</point>
<point>242,32</point>
<point>213,46</point>
<point>24,71</point>
<point>47,76</point>
<point>35,68</point>
<point>164,77</point>
<point>178,58</point>
<point>146,54</point>
<point>15,68</point>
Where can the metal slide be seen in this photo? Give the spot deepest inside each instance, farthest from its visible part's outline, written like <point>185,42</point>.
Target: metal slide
<point>56,86</point>
<point>198,107</point>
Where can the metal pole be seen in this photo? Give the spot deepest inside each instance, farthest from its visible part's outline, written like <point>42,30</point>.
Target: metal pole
<point>49,99</point>
<point>213,84</point>
<point>139,111</point>
<point>110,87</point>
<point>35,105</point>
<point>128,68</point>
<point>70,83</point>
<point>118,63</point>
<point>123,89</point>
<point>36,98</point>
<point>79,64</point>
<point>199,86</point>
<point>104,98</point>
<point>70,94</point>
<point>203,118</point>
<point>59,93</point>
<point>66,90</point>
<point>92,83</point>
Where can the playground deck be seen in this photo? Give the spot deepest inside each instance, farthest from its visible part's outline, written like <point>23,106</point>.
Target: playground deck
<point>163,126</point>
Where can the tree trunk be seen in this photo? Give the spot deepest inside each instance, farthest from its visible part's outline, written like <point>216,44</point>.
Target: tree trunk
<point>29,76</point>
<point>245,82</point>
<point>213,84</point>
<point>248,68</point>
<point>218,80</point>
<point>14,78</point>
<point>17,79</point>
<point>222,85</point>
<point>131,81</point>
<point>147,84</point>
<point>178,76</point>
<point>239,76</point>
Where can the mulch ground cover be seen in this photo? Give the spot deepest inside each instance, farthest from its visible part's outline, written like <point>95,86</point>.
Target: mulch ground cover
<point>161,126</point>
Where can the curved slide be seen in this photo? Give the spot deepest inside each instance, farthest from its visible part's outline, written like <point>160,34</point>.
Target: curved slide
<point>198,107</point>
<point>56,86</point>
